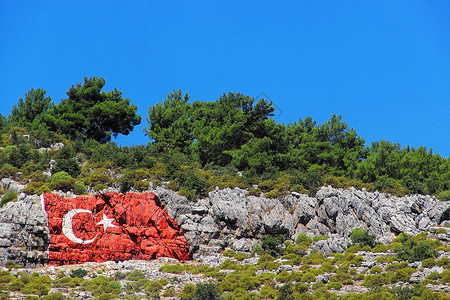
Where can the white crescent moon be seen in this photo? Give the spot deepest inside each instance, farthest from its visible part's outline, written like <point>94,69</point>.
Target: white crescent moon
<point>67,226</point>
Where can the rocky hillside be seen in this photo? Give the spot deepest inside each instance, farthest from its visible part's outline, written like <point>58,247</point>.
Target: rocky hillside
<point>225,231</point>
<point>230,219</point>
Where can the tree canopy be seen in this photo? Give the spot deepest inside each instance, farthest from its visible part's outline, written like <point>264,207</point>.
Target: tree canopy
<point>88,113</point>
<point>198,145</point>
<point>30,112</point>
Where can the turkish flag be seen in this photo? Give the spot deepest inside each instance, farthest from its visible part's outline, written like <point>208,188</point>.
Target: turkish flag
<point>111,226</point>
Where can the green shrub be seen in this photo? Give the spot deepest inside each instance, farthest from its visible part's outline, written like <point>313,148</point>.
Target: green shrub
<point>441,230</point>
<point>301,287</point>
<point>380,248</point>
<point>328,267</point>
<point>187,292</point>
<point>303,238</point>
<point>317,285</point>
<point>422,251</point>
<point>407,292</point>
<point>80,273</point>
<point>100,187</point>
<point>444,196</point>
<point>258,250</point>
<point>55,296</point>
<point>62,175</point>
<point>267,292</point>
<point>170,292</point>
<point>8,197</point>
<point>319,238</point>
<point>12,265</point>
<point>400,275</point>
<point>361,237</point>
<point>229,253</point>
<point>443,262</point>
<point>136,275</point>
<point>283,276</point>
<point>79,189</point>
<point>285,291</point>
<point>206,291</point>
<point>334,285</point>
<point>434,276</point>
<point>428,263</point>
<point>36,188</point>
<point>175,269</point>
<point>240,256</point>
<point>272,244</point>
<point>8,171</point>
<point>308,277</point>
<point>141,185</point>
<point>375,270</point>
<point>376,280</point>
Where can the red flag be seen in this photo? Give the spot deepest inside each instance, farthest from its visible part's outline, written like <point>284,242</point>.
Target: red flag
<point>111,226</point>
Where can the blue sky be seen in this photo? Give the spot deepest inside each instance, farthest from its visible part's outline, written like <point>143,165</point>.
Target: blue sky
<point>383,65</point>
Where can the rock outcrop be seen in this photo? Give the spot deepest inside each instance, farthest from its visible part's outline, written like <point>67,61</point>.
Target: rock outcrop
<point>24,234</point>
<point>225,219</point>
<point>230,218</point>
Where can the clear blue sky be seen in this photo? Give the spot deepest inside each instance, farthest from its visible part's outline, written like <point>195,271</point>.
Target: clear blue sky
<point>383,65</point>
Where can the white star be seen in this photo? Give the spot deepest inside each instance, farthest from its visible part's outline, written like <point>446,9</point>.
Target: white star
<point>106,222</point>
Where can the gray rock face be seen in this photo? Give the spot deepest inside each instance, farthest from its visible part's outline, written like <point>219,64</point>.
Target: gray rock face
<point>24,233</point>
<point>230,219</point>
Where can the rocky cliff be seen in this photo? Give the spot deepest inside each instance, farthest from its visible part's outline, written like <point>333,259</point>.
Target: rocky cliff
<point>230,218</point>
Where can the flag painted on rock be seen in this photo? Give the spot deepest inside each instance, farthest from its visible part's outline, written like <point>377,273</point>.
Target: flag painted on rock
<point>111,226</point>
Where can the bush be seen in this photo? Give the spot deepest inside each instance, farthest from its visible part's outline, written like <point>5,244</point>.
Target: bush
<point>175,269</point>
<point>271,244</point>
<point>187,292</point>
<point>441,230</point>
<point>422,251</point>
<point>319,238</point>
<point>8,197</point>
<point>240,256</point>
<point>207,291</point>
<point>334,285</point>
<point>100,187</point>
<point>308,277</point>
<point>36,188</point>
<point>444,196</point>
<point>228,253</point>
<point>302,238</point>
<point>428,263</point>
<point>267,292</point>
<point>136,275</point>
<point>62,175</point>
<point>141,185</point>
<point>79,189</point>
<point>258,250</point>
<point>361,237</point>
<point>55,296</point>
<point>80,273</point>
<point>63,185</point>
<point>380,248</point>
<point>376,269</point>
<point>8,171</point>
